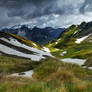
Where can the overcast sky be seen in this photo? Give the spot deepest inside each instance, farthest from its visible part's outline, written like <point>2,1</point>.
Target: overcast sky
<point>42,13</point>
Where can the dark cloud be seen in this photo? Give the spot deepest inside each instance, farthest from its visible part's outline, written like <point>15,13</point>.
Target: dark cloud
<point>14,12</point>
<point>33,8</point>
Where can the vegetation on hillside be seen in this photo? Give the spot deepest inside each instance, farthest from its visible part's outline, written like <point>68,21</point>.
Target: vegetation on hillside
<point>51,75</point>
<point>66,42</point>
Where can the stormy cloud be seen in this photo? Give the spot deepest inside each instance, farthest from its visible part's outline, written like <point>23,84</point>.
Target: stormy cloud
<point>42,13</point>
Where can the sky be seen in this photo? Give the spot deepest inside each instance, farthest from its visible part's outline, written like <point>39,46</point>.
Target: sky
<point>44,13</point>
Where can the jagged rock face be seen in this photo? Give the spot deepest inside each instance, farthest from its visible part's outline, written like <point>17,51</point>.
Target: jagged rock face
<point>38,35</point>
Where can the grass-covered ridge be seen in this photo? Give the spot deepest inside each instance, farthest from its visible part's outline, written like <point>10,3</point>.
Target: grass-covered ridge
<point>67,42</point>
<point>21,40</point>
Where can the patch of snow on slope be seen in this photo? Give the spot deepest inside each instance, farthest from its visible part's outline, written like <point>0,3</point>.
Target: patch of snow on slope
<point>24,74</point>
<point>56,43</point>
<point>58,39</point>
<point>46,49</point>
<point>34,44</point>
<point>63,53</point>
<point>74,61</point>
<point>12,41</point>
<point>18,44</point>
<point>56,49</point>
<point>75,32</point>
<point>78,41</point>
<point>90,68</point>
<point>85,67</point>
<point>11,51</point>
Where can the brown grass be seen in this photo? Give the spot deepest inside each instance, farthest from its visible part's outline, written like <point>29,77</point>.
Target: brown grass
<point>81,86</point>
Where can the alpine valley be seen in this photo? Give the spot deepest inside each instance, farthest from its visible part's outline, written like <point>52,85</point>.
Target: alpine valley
<point>46,59</point>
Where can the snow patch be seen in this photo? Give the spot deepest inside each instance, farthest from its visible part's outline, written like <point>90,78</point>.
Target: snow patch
<point>74,61</point>
<point>63,53</point>
<point>59,39</point>
<point>56,42</point>
<point>75,32</point>
<point>56,49</point>
<point>34,44</point>
<point>46,49</point>
<point>11,51</point>
<point>85,67</point>
<point>14,42</point>
<point>24,74</point>
<point>90,68</point>
<point>78,41</point>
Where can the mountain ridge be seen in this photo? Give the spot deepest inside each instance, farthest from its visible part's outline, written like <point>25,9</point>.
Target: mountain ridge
<point>75,40</point>
<point>38,35</point>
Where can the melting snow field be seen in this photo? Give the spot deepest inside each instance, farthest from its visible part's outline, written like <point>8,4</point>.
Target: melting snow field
<point>74,61</point>
<point>11,51</point>
<point>24,74</point>
<point>40,54</point>
<point>78,41</point>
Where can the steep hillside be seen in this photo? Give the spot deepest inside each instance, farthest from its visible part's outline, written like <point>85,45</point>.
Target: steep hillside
<point>12,45</point>
<point>76,41</point>
<point>51,75</point>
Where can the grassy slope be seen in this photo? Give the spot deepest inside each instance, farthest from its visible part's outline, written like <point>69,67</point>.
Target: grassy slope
<point>50,76</point>
<point>12,65</point>
<point>66,42</point>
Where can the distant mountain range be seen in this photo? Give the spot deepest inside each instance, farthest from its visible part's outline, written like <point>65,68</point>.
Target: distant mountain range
<point>38,35</point>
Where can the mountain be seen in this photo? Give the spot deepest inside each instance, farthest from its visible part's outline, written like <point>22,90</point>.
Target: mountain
<point>75,40</point>
<point>15,46</point>
<point>74,32</point>
<point>38,35</point>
